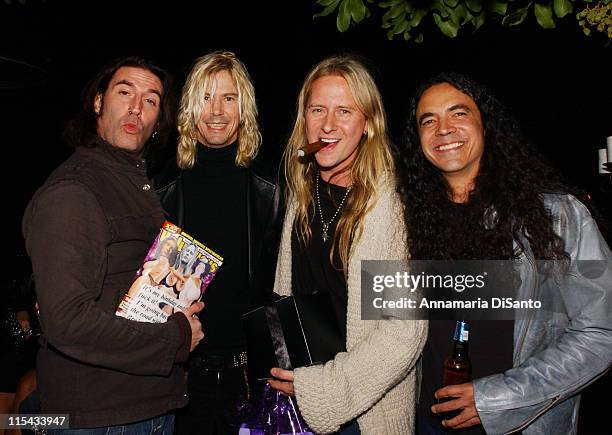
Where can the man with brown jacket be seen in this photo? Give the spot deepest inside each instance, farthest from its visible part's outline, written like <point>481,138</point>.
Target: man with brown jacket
<point>87,230</point>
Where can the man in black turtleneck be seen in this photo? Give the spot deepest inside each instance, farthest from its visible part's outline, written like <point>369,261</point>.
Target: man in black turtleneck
<point>232,203</point>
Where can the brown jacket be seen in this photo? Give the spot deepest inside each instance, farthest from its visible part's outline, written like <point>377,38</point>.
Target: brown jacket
<point>87,230</point>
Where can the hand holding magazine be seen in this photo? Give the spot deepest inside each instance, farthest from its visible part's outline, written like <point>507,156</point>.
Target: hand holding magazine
<point>174,275</point>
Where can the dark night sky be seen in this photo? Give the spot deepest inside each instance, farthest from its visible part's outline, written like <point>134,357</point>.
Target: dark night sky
<point>557,81</point>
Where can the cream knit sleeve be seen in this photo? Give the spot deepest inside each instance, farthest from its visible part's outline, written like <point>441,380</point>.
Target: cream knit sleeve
<point>353,382</point>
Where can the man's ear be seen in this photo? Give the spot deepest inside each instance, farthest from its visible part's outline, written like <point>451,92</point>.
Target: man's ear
<point>98,104</point>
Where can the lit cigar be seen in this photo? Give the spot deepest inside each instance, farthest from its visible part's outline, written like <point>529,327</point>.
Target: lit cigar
<point>311,148</point>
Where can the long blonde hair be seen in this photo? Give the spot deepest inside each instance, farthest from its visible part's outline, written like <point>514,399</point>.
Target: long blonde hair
<point>192,105</point>
<point>373,158</point>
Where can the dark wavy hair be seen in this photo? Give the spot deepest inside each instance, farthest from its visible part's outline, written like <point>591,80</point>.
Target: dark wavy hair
<point>82,130</point>
<point>506,204</point>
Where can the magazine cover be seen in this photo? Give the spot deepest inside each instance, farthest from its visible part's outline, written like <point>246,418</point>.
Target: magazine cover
<point>174,274</point>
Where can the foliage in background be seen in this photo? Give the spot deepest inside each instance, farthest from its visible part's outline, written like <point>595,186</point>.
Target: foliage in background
<point>402,18</point>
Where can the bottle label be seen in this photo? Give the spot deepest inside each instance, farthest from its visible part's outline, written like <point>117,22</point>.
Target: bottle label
<point>461,331</point>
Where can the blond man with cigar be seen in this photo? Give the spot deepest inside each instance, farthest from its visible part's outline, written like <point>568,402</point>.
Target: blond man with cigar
<point>342,208</point>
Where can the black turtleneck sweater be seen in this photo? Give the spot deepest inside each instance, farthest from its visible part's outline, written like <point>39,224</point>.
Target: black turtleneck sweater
<point>215,213</point>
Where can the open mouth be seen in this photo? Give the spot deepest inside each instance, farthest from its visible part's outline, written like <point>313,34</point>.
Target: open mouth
<point>216,125</point>
<point>329,142</point>
<point>449,146</point>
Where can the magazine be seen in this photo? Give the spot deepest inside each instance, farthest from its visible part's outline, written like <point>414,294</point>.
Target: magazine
<point>174,275</point>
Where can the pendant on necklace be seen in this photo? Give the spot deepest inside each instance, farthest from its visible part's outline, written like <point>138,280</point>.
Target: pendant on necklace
<point>325,227</point>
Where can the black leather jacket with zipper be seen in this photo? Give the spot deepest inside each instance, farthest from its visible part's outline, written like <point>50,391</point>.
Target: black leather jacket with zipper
<point>265,211</point>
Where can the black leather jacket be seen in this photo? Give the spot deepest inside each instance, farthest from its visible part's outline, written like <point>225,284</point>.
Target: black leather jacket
<point>265,211</point>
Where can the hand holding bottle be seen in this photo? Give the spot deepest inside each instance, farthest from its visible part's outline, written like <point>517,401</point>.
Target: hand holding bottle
<point>458,397</point>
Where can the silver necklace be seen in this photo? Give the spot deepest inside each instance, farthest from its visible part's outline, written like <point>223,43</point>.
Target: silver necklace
<point>327,224</point>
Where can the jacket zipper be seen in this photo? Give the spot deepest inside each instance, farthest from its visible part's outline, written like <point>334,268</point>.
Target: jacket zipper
<point>519,349</point>
<point>519,346</point>
<point>529,421</point>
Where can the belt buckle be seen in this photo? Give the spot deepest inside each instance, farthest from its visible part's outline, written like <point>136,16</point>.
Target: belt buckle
<point>239,359</point>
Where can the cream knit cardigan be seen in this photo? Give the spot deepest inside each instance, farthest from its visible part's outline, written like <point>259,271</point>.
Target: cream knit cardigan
<point>375,379</point>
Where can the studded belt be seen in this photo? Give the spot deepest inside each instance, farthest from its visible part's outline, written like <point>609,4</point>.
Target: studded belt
<point>220,362</point>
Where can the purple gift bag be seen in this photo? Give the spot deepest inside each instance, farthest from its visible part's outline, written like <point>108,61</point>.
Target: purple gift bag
<point>276,414</point>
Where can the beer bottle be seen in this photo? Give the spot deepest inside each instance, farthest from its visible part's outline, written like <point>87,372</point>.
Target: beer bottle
<point>457,367</point>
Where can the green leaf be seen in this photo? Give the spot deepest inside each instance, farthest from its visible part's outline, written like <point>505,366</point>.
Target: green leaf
<point>479,20</point>
<point>443,10</point>
<point>452,16</point>
<point>419,38</point>
<point>358,10</point>
<point>562,7</point>
<point>461,15</point>
<point>401,17</point>
<point>394,12</point>
<point>328,9</point>
<point>327,2</point>
<point>544,15</point>
<point>447,27</point>
<point>343,21</point>
<point>417,16</point>
<point>499,7</point>
<point>451,3</point>
<point>474,5</point>
<point>401,28</point>
<point>516,17</point>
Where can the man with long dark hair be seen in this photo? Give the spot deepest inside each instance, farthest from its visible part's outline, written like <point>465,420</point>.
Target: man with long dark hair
<point>475,189</point>
<point>87,230</point>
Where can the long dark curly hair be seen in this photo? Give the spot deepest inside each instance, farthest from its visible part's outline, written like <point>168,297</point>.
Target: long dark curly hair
<point>506,204</point>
